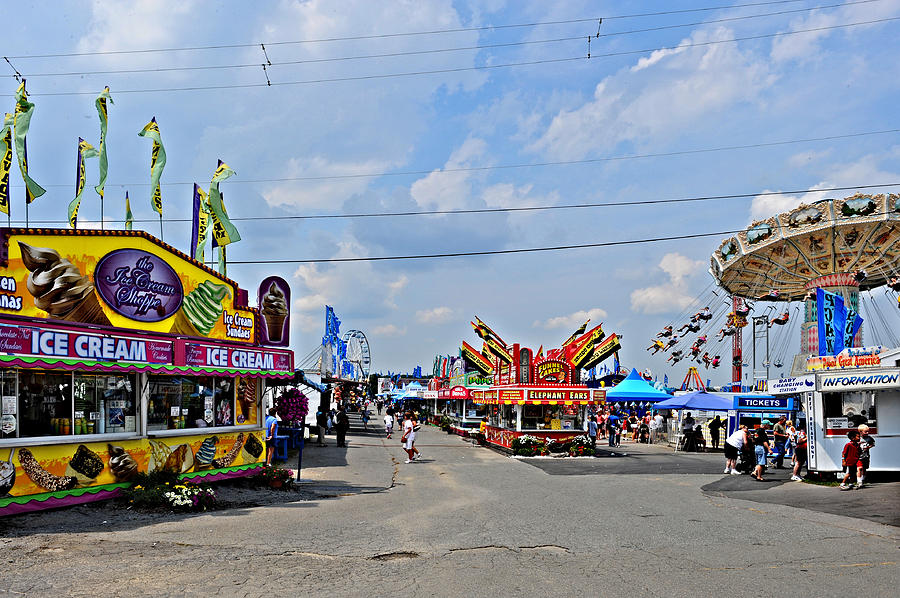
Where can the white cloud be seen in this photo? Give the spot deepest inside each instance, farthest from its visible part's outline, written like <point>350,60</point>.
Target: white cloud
<point>805,47</point>
<point>866,169</point>
<point>656,56</point>
<point>135,24</point>
<point>573,320</point>
<point>658,97</point>
<point>671,296</point>
<point>436,315</point>
<point>322,193</point>
<point>450,190</point>
<point>389,330</point>
<point>351,288</point>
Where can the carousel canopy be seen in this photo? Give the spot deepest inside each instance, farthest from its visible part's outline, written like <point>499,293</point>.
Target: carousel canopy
<point>634,388</point>
<point>700,400</point>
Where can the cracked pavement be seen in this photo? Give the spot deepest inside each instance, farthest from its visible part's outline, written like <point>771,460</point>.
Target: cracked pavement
<point>463,520</point>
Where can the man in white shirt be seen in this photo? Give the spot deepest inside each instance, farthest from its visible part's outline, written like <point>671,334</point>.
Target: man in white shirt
<point>656,425</point>
<point>409,437</point>
<point>388,424</point>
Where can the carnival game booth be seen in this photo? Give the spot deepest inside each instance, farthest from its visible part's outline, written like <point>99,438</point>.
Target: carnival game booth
<point>122,355</point>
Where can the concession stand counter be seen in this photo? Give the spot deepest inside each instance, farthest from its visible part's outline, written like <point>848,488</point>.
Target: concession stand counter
<point>119,354</point>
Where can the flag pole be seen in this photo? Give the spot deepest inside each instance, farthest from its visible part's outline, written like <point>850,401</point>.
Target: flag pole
<point>101,211</point>
<point>161,228</point>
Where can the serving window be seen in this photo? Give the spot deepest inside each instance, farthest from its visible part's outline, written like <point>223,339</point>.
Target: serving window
<point>856,408</point>
<point>41,403</point>
<point>551,417</point>
<point>180,402</point>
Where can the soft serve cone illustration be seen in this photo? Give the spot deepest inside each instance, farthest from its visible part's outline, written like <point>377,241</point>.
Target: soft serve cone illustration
<point>200,310</point>
<point>274,311</point>
<point>59,288</point>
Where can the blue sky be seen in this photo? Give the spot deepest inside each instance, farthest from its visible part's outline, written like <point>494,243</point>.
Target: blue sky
<point>663,93</point>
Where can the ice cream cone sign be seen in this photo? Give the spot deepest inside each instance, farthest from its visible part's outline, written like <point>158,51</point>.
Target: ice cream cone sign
<point>274,300</point>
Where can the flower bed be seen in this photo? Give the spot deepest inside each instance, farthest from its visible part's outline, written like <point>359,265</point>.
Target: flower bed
<point>163,490</point>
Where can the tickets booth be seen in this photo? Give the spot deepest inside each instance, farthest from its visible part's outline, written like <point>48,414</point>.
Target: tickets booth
<point>122,355</point>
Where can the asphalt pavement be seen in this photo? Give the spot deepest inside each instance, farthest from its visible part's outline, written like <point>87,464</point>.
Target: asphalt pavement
<point>467,520</point>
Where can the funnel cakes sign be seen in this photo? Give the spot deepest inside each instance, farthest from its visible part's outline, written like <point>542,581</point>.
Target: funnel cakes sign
<point>138,285</point>
<point>126,279</point>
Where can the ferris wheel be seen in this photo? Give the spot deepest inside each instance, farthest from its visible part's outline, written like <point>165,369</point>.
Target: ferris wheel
<point>358,350</point>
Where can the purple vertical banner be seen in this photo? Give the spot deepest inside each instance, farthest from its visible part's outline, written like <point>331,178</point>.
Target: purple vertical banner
<point>195,223</point>
<point>274,301</point>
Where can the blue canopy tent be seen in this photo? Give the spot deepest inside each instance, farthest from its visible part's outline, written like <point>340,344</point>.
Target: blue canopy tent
<point>701,401</point>
<point>633,391</point>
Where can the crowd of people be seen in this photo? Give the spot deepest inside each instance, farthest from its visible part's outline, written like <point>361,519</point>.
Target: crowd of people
<point>748,451</point>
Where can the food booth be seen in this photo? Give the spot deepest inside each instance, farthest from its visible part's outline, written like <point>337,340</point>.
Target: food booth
<point>118,355</point>
<point>538,394</point>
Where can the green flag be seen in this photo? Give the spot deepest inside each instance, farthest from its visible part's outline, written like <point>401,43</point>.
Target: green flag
<point>201,223</point>
<point>223,269</point>
<point>22,121</point>
<point>5,161</point>
<point>85,151</point>
<point>224,231</point>
<point>157,163</point>
<point>129,217</point>
<point>101,102</point>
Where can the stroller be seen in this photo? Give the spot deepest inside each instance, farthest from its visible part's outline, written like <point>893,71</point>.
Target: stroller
<point>644,433</point>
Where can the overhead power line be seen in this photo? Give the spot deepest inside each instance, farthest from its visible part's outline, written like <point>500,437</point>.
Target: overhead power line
<point>609,204</point>
<point>486,67</point>
<point>515,166</point>
<point>269,64</point>
<point>404,34</point>
<point>544,249</point>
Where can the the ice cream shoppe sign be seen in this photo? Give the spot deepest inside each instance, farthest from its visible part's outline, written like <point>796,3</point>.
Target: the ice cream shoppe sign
<point>274,299</point>
<point>123,279</point>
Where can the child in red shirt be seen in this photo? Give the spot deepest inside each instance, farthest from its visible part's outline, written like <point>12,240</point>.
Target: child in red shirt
<point>850,459</point>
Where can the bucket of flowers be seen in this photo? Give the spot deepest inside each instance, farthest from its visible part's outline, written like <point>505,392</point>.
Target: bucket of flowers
<point>528,446</point>
<point>275,477</point>
<point>292,406</point>
<point>580,446</point>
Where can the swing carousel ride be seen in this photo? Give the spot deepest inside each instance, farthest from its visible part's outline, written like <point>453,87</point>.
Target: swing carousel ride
<point>766,275</point>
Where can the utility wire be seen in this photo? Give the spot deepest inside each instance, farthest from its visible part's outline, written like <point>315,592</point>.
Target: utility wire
<point>518,209</point>
<point>432,51</point>
<point>688,152</point>
<point>470,68</point>
<point>508,251</point>
<point>406,34</point>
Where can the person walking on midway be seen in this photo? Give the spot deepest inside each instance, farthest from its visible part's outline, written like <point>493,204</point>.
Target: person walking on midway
<point>409,437</point>
<point>592,431</point>
<point>800,454</point>
<point>322,425</point>
<point>388,424</point>
<point>850,459</point>
<point>733,445</point>
<point>714,427</point>
<point>271,432</point>
<point>781,438</point>
<point>761,449</point>
<point>341,426</point>
<point>612,428</point>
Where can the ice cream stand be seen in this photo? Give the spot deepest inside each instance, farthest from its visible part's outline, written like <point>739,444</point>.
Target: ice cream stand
<point>120,354</point>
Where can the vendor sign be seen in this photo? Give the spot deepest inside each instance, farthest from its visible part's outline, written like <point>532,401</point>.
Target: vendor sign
<point>848,358</point>
<point>25,340</point>
<point>122,279</point>
<point>476,359</point>
<point>237,357</point>
<point>552,371</point>
<point>459,392</point>
<point>858,381</point>
<point>763,403</point>
<point>784,386</point>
